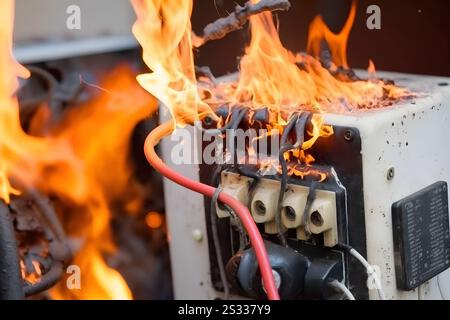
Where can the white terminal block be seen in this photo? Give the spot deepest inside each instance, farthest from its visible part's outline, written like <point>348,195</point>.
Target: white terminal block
<point>264,204</point>
<point>293,206</point>
<point>236,186</point>
<point>322,215</point>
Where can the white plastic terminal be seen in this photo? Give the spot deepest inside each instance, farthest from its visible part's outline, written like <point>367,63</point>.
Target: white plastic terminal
<point>293,206</point>
<point>322,216</point>
<point>236,186</point>
<point>264,202</point>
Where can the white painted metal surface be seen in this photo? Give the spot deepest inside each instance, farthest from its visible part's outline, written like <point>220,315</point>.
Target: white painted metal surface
<point>410,137</point>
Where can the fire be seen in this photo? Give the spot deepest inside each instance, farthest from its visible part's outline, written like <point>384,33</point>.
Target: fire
<point>32,277</point>
<point>99,133</point>
<point>6,190</point>
<point>337,43</point>
<point>270,76</point>
<point>164,30</point>
<point>80,161</point>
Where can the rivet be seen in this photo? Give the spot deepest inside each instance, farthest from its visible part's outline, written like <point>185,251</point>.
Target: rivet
<point>348,135</point>
<point>197,235</point>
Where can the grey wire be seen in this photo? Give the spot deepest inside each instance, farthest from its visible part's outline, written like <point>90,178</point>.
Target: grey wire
<point>339,286</point>
<point>309,201</point>
<point>370,271</point>
<point>242,238</point>
<point>216,241</point>
<point>240,228</point>
<point>441,292</point>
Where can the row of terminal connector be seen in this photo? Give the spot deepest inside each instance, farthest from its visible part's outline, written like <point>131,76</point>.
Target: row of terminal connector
<point>321,215</point>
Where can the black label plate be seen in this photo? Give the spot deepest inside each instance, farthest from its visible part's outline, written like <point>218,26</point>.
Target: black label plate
<point>421,236</point>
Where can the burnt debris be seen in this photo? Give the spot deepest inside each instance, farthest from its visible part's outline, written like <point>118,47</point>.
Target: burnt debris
<point>237,19</point>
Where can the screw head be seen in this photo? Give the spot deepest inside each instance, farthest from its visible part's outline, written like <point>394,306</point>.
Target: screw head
<point>349,135</point>
<point>260,208</point>
<point>277,278</point>
<point>317,219</point>
<point>289,212</point>
<point>391,173</point>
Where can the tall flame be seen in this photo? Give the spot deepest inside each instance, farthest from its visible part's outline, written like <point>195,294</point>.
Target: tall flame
<point>164,30</point>
<point>81,161</point>
<point>319,31</point>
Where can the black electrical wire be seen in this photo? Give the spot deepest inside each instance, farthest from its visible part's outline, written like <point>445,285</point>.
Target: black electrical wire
<point>284,147</point>
<point>309,201</point>
<point>10,278</point>
<point>47,281</point>
<point>300,126</point>
<point>216,241</point>
<point>237,115</point>
<point>59,249</point>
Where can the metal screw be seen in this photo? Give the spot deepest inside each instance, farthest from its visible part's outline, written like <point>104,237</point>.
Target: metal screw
<point>317,219</point>
<point>197,235</point>
<point>348,135</point>
<point>289,212</point>
<point>391,173</point>
<point>260,208</point>
<point>277,278</point>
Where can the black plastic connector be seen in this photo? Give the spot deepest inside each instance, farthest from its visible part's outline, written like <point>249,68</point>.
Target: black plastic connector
<point>318,277</point>
<point>289,265</point>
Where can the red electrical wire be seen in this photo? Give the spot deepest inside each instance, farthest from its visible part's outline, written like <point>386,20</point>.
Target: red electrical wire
<point>241,210</point>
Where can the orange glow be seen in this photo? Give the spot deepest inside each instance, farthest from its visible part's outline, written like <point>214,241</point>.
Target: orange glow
<point>99,133</point>
<point>32,277</point>
<point>109,284</point>
<point>80,161</point>
<point>154,220</point>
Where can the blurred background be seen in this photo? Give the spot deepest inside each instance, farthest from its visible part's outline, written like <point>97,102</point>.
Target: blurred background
<point>413,38</point>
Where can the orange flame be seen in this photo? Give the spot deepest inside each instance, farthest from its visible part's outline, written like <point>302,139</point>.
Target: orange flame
<point>270,75</point>
<point>163,28</point>
<point>319,31</point>
<point>99,133</point>
<point>81,161</point>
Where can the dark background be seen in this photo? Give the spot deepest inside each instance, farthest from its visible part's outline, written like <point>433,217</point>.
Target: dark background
<point>414,37</point>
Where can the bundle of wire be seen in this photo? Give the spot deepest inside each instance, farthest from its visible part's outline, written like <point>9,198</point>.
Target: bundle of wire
<point>240,209</point>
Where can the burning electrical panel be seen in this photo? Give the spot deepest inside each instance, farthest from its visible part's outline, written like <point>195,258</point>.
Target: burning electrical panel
<point>321,200</point>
